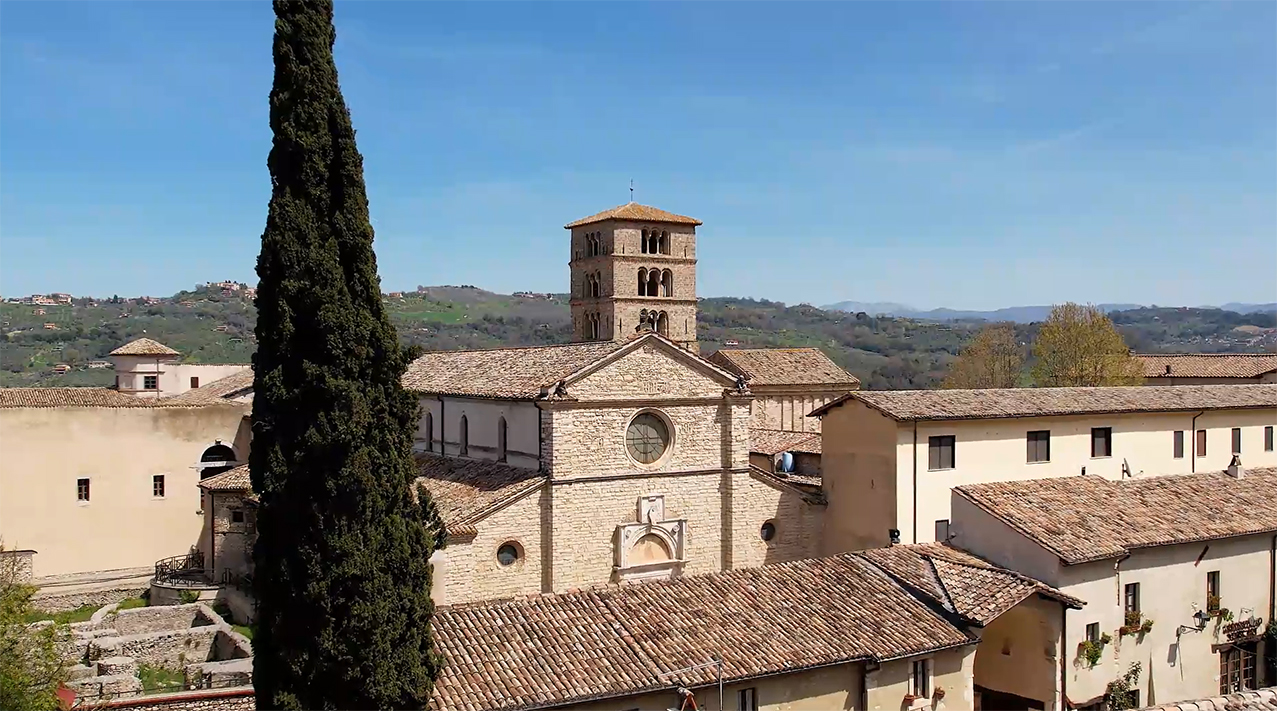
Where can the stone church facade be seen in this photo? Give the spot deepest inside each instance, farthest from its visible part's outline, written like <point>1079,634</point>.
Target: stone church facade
<point>614,462</point>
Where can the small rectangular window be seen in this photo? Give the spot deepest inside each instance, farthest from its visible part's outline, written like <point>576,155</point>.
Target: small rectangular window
<point>920,679</point>
<point>1039,446</point>
<point>1093,632</point>
<point>1101,441</point>
<point>940,452</point>
<point>1201,443</point>
<point>942,530</point>
<point>157,485</point>
<point>1132,597</point>
<point>1268,438</point>
<point>1179,444</point>
<point>150,382</point>
<point>1212,591</point>
<point>82,489</point>
<point>1237,440</point>
<point>747,699</point>
<point>195,382</point>
<point>237,516</point>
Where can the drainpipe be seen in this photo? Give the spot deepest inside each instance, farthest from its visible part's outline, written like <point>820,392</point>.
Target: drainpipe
<point>1193,439</point>
<point>915,482</point>
<point>1272,587</point>
<point>1064,645</point>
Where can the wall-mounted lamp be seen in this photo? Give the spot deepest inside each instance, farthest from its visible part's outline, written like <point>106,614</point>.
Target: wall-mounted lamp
<point>893,535</point>
<point>1200,619</point>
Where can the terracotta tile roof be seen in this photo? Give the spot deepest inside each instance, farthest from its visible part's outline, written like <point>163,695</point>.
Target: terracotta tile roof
<point>634,212</point>
<point>1259,700</point>
<point>773,442</point>
<point>218,391</point>
<point>784,366</point>
<point>71,397</point>
<point>144,346</point>
<point>236,479</point>
<point>466,490</point>
<point>625,639</point>
<point>502,372</point>
<point>961,582</point>
<point>1086,518</point>
<point>1207,365</point>
<point>908,405</point>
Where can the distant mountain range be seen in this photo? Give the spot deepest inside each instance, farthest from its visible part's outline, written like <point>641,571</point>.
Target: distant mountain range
<point>1017,314</point>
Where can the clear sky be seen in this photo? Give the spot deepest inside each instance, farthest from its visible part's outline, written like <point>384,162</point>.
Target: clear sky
<point>958,154</point>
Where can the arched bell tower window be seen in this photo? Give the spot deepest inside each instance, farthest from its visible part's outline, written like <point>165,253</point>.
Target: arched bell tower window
<point>654,282</point>
<point>663,324</point>
<point>642,282</point>
<point>667,283</point>
<point>664,245</point>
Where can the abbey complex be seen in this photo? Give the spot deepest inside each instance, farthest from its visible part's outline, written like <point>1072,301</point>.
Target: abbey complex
<point>631,523</point>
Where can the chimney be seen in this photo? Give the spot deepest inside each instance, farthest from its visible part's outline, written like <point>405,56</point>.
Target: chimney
<point>1168,368</point>
<point>1235,469</point>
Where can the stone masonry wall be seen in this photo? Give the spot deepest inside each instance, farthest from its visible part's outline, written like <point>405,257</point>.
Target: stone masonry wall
<point>586,514</point>
<point>798,523</point>
<point>590,442</point>
<point>232,541</point>
<point>472,571</point>
<point>649,372</point>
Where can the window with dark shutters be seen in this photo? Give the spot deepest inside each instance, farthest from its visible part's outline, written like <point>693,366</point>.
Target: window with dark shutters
<point>1039,446</point>
<point>1237,440</point>
<point>1179,444</point>
<point>940,452</point>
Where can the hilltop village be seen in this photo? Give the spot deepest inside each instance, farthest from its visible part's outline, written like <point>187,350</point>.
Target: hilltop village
<point>630,525</point>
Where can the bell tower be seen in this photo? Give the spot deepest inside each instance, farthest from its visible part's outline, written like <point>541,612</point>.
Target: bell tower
<point>634,269</point>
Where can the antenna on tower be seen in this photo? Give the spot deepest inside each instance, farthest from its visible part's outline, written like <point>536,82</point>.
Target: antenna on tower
<point>631,189</point>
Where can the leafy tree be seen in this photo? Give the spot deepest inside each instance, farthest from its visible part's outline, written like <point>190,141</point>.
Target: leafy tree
<point>31,669</point>
<point>993,359</point>
<point>1079,345</point>
<point>342,574</point>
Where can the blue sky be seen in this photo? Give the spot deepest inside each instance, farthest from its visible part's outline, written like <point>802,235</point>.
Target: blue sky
<point>958,154</point>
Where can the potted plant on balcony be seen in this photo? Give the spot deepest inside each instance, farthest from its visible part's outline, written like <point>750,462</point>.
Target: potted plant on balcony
<point>1131,624</point>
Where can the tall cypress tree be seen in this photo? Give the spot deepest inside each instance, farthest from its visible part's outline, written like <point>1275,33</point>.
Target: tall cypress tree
<point>342,577</point>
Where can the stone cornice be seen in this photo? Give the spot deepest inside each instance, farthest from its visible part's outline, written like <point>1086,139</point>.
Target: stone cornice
<point>641,474</point>
<point>729,397</point>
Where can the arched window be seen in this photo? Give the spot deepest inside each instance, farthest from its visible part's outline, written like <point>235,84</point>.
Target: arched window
<point>465,437</point>
<point>642,282</point>
<point>653,282</point>
<point>428,424</point>
<point>220,456</point>
<point>598,284</point>
<point>664,246</point>
<point>644,247</point>
<point>501,429</point>
<point>663,324</point>
<point>667,283</point>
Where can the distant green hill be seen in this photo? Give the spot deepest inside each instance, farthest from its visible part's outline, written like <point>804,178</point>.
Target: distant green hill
<point>208,327</point>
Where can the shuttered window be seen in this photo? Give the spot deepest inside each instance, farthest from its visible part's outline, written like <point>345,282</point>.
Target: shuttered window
<point>940,452</point>
<point>1101,441</point>
<point>1039,446</point>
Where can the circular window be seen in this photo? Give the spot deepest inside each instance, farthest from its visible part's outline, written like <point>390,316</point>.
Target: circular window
<point>647,438</point>
<point>768,531</point>
<point>509,553</point>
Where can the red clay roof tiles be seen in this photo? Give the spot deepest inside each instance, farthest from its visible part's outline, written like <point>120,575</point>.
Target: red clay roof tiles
<point>1086,518</point>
